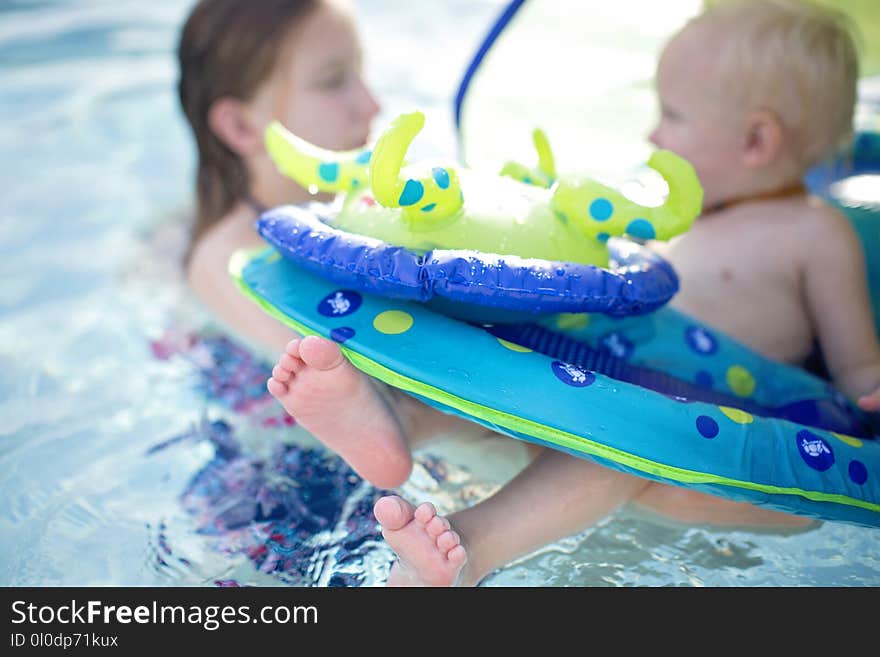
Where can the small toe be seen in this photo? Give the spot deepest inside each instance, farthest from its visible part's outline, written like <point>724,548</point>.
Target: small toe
<point>447,540</point>
<point>425,512</point>
<point>280,374</point>
<point>276,388</point>
<point>457,556</point>
<point>290,363</point>
<point>437,526</point>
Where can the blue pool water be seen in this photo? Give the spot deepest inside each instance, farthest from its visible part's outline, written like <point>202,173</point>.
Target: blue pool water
<point>137,443</point>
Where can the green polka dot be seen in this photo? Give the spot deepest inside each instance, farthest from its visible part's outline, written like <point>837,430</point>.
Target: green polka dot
<point>852,441</point>
<point>513,346</point>
<point>737,415</point>
<point>740,380</point>
<point>393,322</point>
<point>572,321</point>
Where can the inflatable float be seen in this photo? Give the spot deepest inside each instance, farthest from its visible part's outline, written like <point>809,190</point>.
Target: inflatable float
<point>652,393</point>
<point>479,246</point>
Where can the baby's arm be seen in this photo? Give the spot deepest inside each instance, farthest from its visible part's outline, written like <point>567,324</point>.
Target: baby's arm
<point>837,297</point>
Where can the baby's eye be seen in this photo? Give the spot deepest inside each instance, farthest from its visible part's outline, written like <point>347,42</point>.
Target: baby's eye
<point>670,114</point>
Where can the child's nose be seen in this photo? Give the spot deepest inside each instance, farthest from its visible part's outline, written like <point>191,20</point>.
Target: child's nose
<point>367,103</point>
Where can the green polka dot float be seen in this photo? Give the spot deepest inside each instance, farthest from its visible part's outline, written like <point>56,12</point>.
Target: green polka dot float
<point>523,240</point>
<point>657,395</point>
<point>526,212</point>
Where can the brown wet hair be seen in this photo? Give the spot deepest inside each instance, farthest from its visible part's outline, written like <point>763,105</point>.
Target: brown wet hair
<point>227,48</point>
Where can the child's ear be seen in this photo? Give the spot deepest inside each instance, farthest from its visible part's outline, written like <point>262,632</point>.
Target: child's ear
<point>231,121</point>
<point>763,139</point>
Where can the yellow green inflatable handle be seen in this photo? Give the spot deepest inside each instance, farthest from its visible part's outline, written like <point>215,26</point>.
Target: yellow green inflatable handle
<point>316,169</point>
<point>544,175</point>
<point>423,200</point>
<point>600,211</point>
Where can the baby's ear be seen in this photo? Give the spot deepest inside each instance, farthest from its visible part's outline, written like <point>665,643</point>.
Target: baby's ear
<point>764,137</point>
<point>231,121</point>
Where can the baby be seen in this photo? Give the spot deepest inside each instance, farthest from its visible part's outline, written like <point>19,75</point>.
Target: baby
<point>752,93</point>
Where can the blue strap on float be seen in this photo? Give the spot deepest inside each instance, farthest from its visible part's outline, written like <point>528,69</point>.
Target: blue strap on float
<point>830,414</point>
<point>495,31</point>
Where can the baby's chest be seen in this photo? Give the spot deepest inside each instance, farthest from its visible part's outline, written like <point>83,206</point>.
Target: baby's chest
<point>728,259</point>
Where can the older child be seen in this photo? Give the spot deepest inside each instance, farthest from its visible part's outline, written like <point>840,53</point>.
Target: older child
<point>243,64</point>
<point>752,93</point>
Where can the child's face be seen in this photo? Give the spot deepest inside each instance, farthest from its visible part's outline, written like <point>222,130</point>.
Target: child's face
<point>695,121</point>
<point>318,92</point>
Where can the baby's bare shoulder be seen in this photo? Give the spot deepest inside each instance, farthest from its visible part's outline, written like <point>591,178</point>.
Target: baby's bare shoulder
<point>825,234</point>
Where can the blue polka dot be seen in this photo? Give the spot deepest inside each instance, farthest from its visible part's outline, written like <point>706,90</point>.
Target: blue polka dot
<point>412,193</point>
<point>703,379</point>
<point>641,228</point>
<point>441,177</point>
<point>364,157</point>
<point>340,303</point>
<point>603,237</point>
<point>858,472</point>
<point>342,334</point>
<point>707,427</point>
<point>329,171</point>
<point>527,180</point>
<point>429,207</point>
<point>815,451</point>
<point>700,340</point>
<point>572,375</point>
<point>601,209</point>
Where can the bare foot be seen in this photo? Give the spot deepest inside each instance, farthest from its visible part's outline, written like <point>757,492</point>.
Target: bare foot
<point>429,552</point>
<point>337,404</point>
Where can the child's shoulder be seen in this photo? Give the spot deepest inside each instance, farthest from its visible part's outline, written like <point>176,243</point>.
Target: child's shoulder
<point>211,252</point>
<point>806,216</point>
<point>824,222</point>
<point>824,232</point>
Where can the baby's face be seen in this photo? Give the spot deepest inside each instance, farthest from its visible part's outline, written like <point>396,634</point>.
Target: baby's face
<point>696,121</point>
<point>319,92</point>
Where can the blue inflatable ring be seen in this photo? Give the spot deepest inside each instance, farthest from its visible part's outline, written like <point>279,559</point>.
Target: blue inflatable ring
<point>657,395</point>
<point>470,284</point>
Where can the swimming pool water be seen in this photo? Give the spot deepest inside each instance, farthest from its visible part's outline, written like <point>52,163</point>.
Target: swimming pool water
<point>137,443</point>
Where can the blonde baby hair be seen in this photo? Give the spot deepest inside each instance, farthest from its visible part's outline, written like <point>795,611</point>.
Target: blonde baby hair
<point>795,58</point>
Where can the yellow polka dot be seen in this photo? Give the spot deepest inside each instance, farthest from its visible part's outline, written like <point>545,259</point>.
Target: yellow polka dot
<point>513,347</point>
<point>849,440</point>
<point>572,321</point>
<point>393,322</point>
<point>737,415</point>
<point>740,380</point>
